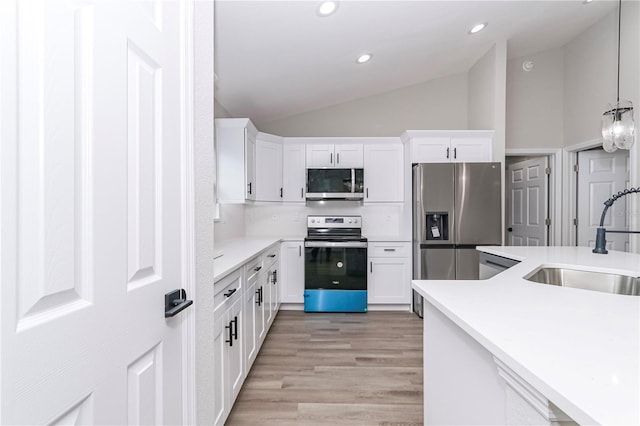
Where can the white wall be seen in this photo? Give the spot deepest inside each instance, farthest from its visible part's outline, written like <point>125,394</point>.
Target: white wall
<point>487,96</point>
<point>204,163</point>
<point>534,116</point>
<point>427,105</point>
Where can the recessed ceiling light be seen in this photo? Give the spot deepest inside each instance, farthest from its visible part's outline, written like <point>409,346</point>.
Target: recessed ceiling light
<point>326,8</point>
<point>366,57</point>
<point>477,28</point>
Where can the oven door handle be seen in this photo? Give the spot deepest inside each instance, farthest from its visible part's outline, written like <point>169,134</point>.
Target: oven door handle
<point>346,244</point>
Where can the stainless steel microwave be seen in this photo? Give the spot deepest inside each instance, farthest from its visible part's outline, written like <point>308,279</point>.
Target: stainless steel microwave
<point>335,184</point>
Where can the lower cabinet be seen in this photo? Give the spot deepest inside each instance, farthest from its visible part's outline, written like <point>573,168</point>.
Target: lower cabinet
<point>292,271</point>
<point>389,279</point>
<point>245,304</point>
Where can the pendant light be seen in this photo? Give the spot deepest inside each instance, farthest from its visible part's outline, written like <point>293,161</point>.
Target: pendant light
<point>617,121</point>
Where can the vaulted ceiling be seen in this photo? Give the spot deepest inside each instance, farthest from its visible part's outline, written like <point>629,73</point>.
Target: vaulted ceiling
<point>274,59</point>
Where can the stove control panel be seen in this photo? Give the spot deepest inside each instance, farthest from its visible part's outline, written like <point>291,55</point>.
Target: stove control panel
<point>334,221</point>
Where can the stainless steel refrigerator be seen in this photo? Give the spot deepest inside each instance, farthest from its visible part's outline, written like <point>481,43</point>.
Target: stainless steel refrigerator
<point>456,207</point>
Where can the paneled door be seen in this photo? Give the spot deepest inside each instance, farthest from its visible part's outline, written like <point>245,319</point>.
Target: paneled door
<point>527,202</point>
<point>91,102</point>
<point>600,175</point>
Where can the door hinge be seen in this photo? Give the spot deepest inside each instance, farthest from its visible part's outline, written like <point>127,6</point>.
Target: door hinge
<point>576,168</point>
<point>547,221</point>
<point>548,170</point>
<point>575,222</point>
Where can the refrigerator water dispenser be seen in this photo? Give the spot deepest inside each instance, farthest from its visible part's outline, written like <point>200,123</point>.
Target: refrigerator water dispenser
<point>437,226</point>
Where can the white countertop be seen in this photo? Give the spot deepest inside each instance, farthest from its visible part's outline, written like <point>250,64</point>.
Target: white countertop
<point>237,252</point>
<point>579,348</point>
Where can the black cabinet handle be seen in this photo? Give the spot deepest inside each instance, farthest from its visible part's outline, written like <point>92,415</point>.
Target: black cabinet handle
<point>249,187</point>
<point>447,152</point>
<point>228,327</point>
<point>280,192</point>
<point>235,327</point>
<point>259,298</point>
<point>271,255</point>
<point>338,158</point>
<point>257,268</point>
<point>454,153</point>
<point>275,277</point>
<point>230,292</point>
<point>301,192</point>
<point>371,267</point>
<point>367,192</point>
<point>389,249</point>
<point>331,158</point>
<point>176,302</point>
<point>299,251</point>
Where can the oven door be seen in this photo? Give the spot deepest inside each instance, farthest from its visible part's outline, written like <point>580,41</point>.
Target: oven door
<point>335,276</point>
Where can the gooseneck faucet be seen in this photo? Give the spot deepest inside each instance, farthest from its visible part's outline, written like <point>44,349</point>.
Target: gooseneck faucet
<point>601,233</point>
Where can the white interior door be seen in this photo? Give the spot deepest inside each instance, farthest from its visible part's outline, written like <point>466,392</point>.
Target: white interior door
<point>527,202</point>
<point>600,175</point>
<point>90,95</point>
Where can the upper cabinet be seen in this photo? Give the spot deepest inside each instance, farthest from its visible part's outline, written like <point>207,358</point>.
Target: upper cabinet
<point>293,173</point>
<point>458,146</point>
<point>236,159</point>
<point>383,173</point>
<point>268,167</point>
<point>338,155</point>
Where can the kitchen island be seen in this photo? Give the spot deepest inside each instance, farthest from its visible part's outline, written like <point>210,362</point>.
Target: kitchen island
<point>510,351</point>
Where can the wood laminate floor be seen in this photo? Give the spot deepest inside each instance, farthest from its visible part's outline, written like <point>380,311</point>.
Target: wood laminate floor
<point>336,369</point>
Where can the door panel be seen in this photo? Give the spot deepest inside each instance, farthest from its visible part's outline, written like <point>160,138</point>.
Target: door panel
<point>91,211</point>
<point>527,202</point>
<point>438,264</point>
<point>478,218</point>
<point>602,174</point>
<point>467,264</point>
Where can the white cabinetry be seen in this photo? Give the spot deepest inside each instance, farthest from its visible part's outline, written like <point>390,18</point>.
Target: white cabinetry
<point>228,343</point>
<point>236,155</point>
<point>246,302</point>
<point>384,173</point>
<point>293,173</point>
<point>292,272</point>
<point>389,280</point>
<point>334,155</point>
<point>470,146</point>
<point>268,167</point>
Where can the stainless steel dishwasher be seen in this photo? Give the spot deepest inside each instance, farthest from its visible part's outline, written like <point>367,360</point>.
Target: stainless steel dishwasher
<point>491,265</point>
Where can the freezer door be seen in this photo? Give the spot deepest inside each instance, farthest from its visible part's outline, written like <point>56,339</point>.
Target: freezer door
<point>433,186</point>
<point>467,264</point>
<point>478,195</point>
<point>437,264</point>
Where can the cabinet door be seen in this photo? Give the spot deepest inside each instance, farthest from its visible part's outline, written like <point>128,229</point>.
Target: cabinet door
<point>294,173</point>
<point>266,297</point>
<point>349,155</point>
<point>383,173</point>
<point>268,171</point>
<point>220,335</point>
<point>471,149</point>
<point>249,335</point>
<point>235,356</point>
<point>389,280</point>
<point>275,290</point>
<point>250,166</point>
<point>320,155</point>
<point>292,272</point>
<point>431,150</point>
<point>260,312</point>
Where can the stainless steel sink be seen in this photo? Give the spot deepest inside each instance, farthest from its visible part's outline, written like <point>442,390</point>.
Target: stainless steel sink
<point>586,280</point>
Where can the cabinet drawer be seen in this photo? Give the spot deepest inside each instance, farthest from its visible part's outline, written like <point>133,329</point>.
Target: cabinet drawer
<point>253,267</point>
<point>226,291</point>
<point>271,256</point>
<point>389,250</point>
